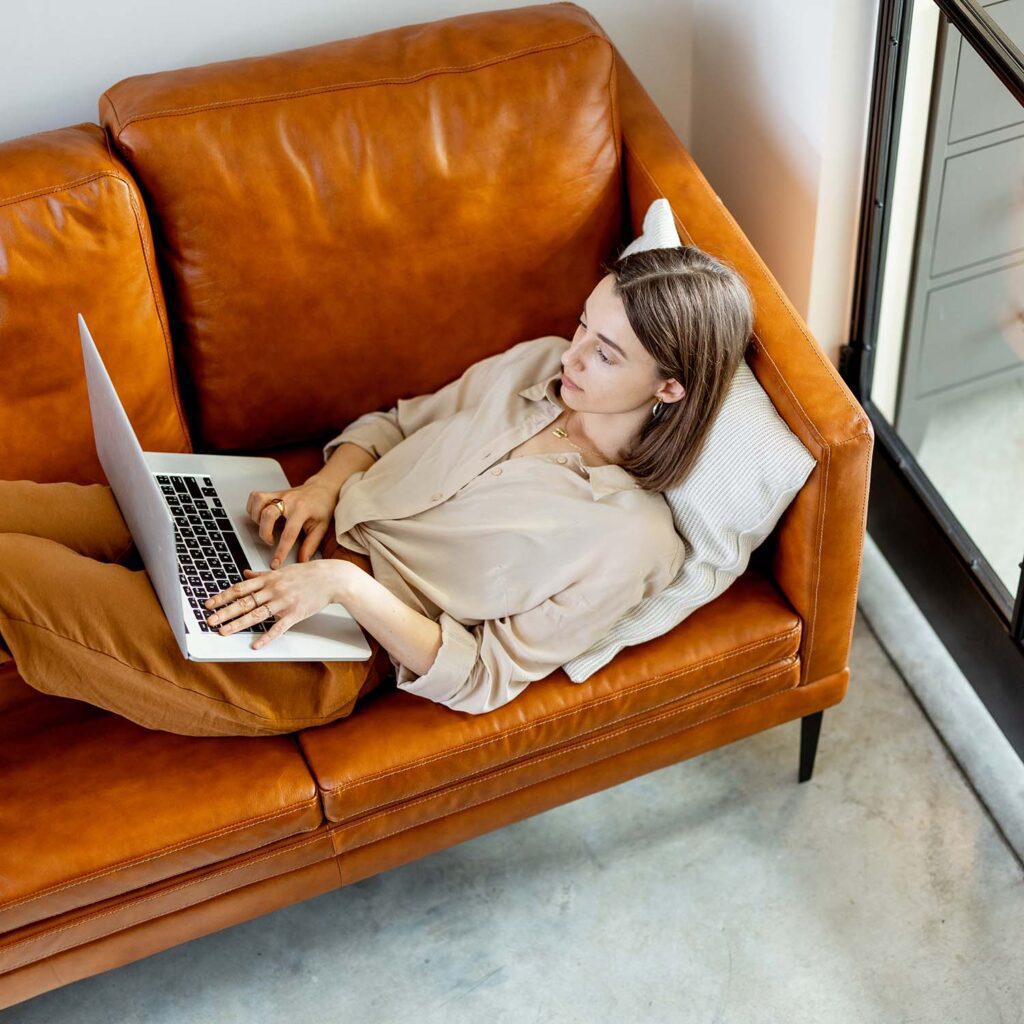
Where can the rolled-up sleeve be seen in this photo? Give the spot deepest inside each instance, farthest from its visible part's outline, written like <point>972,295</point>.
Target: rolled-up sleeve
<point>481,667</point>
<point>375,432</point>
<point>379,431</point>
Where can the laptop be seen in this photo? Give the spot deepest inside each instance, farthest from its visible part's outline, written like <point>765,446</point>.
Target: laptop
<point>187,516</point>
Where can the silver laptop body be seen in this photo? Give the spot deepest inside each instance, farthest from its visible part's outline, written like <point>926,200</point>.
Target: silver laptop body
<point>161,536</point>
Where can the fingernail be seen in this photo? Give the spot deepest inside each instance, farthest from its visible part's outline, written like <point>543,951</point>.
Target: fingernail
<point>275,563</point>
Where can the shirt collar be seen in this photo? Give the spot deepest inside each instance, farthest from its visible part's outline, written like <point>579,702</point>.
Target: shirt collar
<point>604,480</point>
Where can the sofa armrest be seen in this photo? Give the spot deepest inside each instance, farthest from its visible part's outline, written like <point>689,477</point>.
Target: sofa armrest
<point>815,551</point>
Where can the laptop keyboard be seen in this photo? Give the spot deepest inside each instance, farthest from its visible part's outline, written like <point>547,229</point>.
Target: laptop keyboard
<point>210,557</point>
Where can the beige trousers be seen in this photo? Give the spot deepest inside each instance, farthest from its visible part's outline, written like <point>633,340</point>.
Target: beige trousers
<point>81,620</point>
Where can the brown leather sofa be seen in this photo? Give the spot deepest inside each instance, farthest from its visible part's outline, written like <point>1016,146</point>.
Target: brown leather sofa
<point>265,249</point>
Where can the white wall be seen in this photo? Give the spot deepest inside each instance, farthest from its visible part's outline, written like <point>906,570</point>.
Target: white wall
<point>781,91</point>
<point>58,56</point>
<point>771,96</point>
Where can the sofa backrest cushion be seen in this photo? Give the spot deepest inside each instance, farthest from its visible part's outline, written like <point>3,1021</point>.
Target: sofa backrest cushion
<point>74,238</point>
<point>359,221</point>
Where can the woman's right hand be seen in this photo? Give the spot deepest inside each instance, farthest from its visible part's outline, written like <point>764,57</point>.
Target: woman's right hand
<point>309,507</point>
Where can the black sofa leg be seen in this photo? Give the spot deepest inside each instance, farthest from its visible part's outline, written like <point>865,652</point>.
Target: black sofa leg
<point>810,729</point>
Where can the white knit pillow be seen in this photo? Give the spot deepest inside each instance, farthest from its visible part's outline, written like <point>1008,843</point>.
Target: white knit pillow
<point>750,468</point>
<point>659,230</point>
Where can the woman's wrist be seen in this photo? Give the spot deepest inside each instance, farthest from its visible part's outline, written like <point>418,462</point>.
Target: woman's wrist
<point>345,580</point>
<point>344,461</point>
<point>411,638</point>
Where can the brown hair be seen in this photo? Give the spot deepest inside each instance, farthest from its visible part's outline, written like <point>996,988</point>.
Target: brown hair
<point>694,314</point>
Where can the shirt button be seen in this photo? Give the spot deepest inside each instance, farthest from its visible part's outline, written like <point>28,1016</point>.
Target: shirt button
<point>562,459</point>
<point>496,471</point>
<point>436,496</point>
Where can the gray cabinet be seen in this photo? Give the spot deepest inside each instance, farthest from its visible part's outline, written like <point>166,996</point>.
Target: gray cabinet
<point>965,323</point>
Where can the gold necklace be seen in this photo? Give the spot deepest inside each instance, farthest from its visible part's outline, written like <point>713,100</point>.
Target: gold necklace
<point>559,432</point>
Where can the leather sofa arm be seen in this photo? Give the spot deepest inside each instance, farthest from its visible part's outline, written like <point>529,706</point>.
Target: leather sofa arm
<point>815,551</point>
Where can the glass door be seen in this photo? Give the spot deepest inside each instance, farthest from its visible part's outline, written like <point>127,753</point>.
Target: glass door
<point>937,342</point>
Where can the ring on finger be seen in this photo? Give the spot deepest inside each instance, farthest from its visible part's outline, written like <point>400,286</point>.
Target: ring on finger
<point>219,615</point>
<point>249,617</point>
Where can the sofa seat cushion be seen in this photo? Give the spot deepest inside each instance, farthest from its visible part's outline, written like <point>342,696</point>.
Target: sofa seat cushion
<point>740,647</point>
<point>25,710</point>
<point>91,809</point>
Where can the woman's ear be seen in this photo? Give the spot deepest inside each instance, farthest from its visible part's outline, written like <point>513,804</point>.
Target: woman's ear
<point>670,391</point>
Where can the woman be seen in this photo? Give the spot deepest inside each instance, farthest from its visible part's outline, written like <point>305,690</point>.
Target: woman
<point>482,535</point>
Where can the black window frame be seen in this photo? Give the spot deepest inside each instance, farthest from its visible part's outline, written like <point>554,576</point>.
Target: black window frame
<point>936,560</point>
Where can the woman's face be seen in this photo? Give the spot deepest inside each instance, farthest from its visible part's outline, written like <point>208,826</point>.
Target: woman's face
<point>613,372</point>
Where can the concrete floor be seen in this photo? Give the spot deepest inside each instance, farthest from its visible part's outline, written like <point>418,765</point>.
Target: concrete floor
<point>716,890</point>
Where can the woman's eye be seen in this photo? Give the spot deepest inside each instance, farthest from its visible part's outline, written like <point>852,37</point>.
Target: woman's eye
<point>604,358</point>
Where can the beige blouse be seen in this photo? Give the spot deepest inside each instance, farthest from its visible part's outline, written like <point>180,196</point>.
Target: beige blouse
<point>525,562</point>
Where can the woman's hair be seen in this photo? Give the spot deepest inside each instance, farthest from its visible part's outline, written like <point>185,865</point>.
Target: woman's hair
<point>694,315</point>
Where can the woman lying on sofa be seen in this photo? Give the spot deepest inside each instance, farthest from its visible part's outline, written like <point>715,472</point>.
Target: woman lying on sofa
<point>482,535</point>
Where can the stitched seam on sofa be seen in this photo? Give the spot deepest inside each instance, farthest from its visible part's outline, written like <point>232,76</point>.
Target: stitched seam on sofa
<point>88,918</point>
<point>851,438</point>
<point>308,722</point>
<point>613,110</point>
<point>822,510</point>
<point>863,522</point>
<point>49,190</point>
<point>679,701</point>
<point>611,729</point>
<point>343,86</point>
<point>184,844</point>
<point>342,826</point>
<point>530,726</point>
<point>647,684</point>
<point>168,349</point>
<point>113,107</point>
<point>808,646</point>
<point>106,137</point>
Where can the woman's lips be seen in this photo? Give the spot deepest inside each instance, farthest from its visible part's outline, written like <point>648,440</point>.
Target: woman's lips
<point>566,379</point>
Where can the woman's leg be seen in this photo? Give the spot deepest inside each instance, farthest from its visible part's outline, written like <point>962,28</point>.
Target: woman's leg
<point>93,630</point>
<point>84,517</point>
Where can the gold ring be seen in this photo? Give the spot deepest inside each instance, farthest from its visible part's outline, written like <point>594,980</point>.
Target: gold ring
<point>279,503</point>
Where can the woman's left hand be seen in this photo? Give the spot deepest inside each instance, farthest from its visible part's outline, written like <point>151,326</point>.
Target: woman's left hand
<point>291,593</point>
